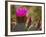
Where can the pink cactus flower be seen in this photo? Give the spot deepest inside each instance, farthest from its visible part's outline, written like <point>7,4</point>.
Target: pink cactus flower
<point>21,11</point>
